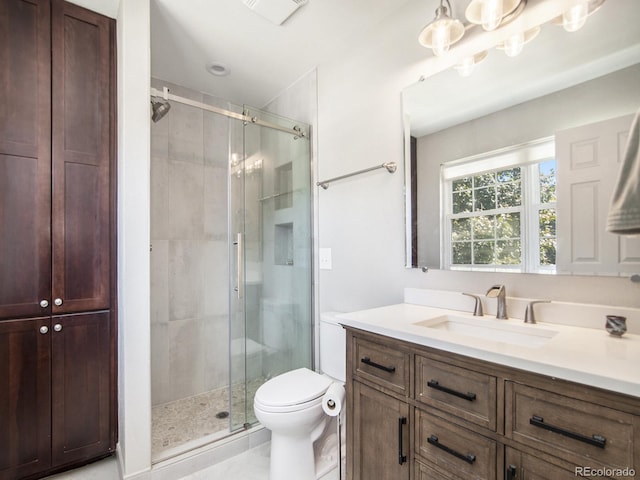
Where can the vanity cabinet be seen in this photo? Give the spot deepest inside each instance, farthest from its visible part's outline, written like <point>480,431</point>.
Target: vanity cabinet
<point>381,435</point>
<point>523,466</point>
<point>581,431</point>
<point>57,237</point>
<point>378,415</point>
<point>472,419</point>
<point>457,390</point>
<point>456,450</point>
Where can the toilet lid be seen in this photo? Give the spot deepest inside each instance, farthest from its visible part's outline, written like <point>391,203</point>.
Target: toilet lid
<point>292,388</point>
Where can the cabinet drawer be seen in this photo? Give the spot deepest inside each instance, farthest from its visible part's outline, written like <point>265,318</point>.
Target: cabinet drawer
<point>462,452</point>
<point>519,465</point>
<point>583,431</point>
<point>383,365</point>
<point>423,472</point>
<point>456,390</point>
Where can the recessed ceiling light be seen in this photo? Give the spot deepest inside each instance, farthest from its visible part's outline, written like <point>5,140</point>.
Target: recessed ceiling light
<point>218,69</point>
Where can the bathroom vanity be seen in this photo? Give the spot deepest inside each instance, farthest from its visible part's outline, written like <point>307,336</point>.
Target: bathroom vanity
<point>428,402</point>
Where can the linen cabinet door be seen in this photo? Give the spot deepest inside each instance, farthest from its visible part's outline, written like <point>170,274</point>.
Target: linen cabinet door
<point>380,436</point>
<point>83,194</point>
<point>25,397</point>
<point>25,158</point>
<point>81,408</point>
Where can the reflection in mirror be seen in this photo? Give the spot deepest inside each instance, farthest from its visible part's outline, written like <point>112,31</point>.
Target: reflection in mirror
<point>512,168</point>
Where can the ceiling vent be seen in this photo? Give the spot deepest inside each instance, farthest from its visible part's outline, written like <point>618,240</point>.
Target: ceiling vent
<point>276,11</point>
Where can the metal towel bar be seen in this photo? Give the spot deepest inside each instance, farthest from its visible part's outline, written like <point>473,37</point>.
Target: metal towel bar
<point>390,166</point>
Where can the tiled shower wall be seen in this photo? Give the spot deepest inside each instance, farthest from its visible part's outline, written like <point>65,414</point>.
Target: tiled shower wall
<point>189,257</point>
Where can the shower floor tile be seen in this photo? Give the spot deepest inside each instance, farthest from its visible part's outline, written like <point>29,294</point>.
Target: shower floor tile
<point>182,421</point>
<point>192,420</point>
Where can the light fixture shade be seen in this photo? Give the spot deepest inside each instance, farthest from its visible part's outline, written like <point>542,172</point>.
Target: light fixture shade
<point>479,12</point>
<point>510,47</point>
<point>468,64</point>
<point>574,18</point>
<point>442,32</point>
<point>592,5</point>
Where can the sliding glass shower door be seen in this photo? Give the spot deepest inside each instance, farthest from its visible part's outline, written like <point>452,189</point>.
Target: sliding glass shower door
<point>270,241</point>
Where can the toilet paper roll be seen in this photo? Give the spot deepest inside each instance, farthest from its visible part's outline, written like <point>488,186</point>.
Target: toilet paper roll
<point>333,399</point>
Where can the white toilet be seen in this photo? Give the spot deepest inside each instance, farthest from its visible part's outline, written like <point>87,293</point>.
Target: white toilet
<point>290,405</point>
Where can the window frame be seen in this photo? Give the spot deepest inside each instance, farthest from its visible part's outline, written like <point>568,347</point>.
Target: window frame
<point>526,156</point>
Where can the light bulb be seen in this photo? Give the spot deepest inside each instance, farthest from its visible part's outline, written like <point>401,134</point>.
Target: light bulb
<point>466,66</point>
<point>491,14</point>
<point>514,44</point>
<point>441,38</point>
<point>575,17</point>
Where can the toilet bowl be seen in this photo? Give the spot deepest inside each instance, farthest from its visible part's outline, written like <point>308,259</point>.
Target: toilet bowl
<point>290,405</point>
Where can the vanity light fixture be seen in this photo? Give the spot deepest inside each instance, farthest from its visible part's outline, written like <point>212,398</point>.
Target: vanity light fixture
<point>493,13</point>
<point>574,17</point>
<point>468,64</point>
<point>443,31</point>
<point>513,45</point>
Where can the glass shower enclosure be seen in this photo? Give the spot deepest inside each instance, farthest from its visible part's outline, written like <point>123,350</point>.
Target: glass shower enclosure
<point>231,261</point>
<point>270,225</point>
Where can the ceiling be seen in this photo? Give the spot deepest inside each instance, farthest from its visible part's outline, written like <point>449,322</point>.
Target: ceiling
<point>263,58</point>
<point>556,59</point>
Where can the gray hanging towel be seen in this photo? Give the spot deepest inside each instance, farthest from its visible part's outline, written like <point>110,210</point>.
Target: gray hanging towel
<point>624,212</point>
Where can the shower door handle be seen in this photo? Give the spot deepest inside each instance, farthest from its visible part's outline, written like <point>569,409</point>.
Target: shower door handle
<point>239,264</point>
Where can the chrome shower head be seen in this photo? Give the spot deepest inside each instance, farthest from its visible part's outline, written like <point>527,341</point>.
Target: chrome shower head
<point>160,107</point>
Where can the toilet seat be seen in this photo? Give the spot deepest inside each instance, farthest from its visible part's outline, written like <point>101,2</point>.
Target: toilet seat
<point>292,391</point>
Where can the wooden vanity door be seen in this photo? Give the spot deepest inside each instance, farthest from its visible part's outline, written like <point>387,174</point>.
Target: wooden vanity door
<point>380,436</point>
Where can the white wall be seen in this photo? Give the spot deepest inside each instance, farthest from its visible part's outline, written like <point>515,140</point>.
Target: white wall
<point>362,219</point>
<point>134,447</point>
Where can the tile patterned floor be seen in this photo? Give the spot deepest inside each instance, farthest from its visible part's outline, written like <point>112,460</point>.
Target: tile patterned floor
<point>250,465</point>
<point>106,469</point>
<point>188,420</point>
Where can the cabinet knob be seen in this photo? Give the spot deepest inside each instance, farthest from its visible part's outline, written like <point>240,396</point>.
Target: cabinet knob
<point>44,329</point>
<point>57,302</point>
<point>44,303</point>
<point>57,327</point>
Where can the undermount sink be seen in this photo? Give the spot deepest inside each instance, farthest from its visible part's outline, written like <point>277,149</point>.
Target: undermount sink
<point>494,330</point>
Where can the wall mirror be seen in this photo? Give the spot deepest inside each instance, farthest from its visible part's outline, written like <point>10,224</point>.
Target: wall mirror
<point>485,190</point>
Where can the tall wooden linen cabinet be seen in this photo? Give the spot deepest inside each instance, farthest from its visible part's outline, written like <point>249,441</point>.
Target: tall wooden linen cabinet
<point>57,237</point>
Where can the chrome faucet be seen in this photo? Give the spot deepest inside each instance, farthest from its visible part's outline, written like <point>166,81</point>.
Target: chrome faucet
<point>499,292</point>
<point>529,314</point>
<point>477,310</point>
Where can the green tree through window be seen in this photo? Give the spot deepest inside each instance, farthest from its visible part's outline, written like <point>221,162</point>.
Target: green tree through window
<point>488,213</point>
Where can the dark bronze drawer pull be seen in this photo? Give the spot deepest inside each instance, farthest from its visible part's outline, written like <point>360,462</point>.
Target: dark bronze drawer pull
<point>367,361</point>
<point>595,440</point>
<point>467,396</point>
<point>433,440</point>
<point>512,471</point>
<point>402,458</point>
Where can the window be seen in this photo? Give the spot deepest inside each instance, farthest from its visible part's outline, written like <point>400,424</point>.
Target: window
<point>500,211</point>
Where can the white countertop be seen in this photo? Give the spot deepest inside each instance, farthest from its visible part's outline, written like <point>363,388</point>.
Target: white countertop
<point>584,355</point>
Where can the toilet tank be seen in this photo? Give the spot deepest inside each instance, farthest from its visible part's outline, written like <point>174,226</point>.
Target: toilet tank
<point>333,349</point>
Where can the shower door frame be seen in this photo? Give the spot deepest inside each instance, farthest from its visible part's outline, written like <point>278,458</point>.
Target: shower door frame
<point>237,265</point>
<point>250,233</point>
